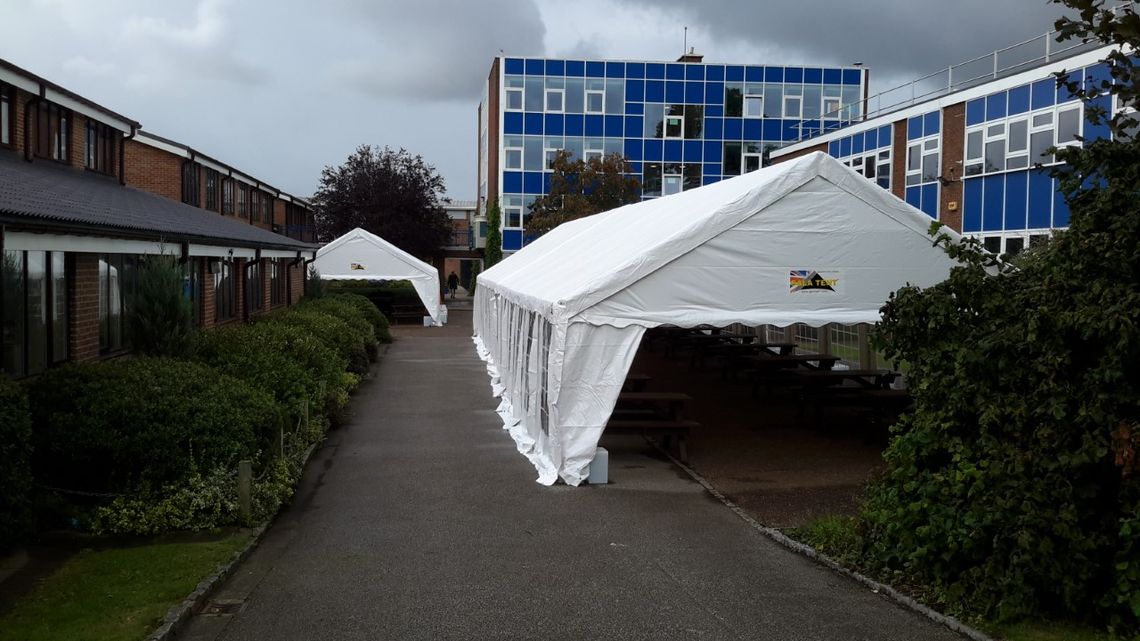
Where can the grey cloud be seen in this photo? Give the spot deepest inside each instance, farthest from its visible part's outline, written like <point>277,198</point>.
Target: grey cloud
<point>434,49</point>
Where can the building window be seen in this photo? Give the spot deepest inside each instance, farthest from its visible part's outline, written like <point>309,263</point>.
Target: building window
<point>1021,141</point>
<point>7,113</point>
<point>555,96</point>
<point>277,269</point>
<point>734,100</point>
<point>190,187</point>
<point>514,93</point>
<point>192,288</point>
<point>753,105</point>
<point>213,185</point>
<point>793,102</point>
<point>254,205</point>
<point>117,279</point>
<point>267,200</point>
<point>671,181</point>
<point>225,292</point>
<point>53,131</point>
<point>513,158</point>
<point>100,147</point>
<point>227,196</point>
<point>243,200</point>
<point>254,295</point>
<point>33,334</point>
<point>674,126</point>
<point>732,155</point>
<point>922,158</point>
<point>595,95</point>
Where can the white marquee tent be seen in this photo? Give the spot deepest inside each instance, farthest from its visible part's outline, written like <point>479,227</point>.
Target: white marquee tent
<point>361,255</point>
<point>559,322</point>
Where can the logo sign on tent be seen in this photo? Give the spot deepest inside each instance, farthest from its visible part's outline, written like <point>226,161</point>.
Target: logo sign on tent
<point>801,281</point>
<point>357,267</point>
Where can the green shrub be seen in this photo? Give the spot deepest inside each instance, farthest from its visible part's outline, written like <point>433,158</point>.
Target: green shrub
<point>385,295</point>
<point>351,314</point>
<point>123,425</point>
<point>370,312</point>
<point>16,471</point>
<point>835,536</point>
<point>335,333</point>
<point>160,318</point>
<point>473,279</point>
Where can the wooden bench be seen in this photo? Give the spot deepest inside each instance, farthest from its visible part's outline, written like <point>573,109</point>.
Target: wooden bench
<point>651,426</point>
<point>414,313</point>
<point>650,413</point>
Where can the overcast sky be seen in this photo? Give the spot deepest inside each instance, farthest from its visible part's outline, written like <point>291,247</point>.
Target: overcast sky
<point>282,88</point>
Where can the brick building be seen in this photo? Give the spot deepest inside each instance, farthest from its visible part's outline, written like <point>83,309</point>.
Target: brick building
<point>85,196</point>
<point>970,148</point>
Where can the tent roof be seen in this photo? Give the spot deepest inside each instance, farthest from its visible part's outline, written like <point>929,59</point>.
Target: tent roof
<point>362,255</point>
<point>581,263</point>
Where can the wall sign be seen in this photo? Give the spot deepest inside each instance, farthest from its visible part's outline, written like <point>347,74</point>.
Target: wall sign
<point>802,281</point>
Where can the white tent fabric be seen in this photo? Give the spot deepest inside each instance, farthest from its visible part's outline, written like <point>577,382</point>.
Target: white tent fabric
<point>362,255</point>
<point>558,323</point>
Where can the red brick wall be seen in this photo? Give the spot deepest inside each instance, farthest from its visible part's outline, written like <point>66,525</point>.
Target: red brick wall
<point>296,283</point>
<point>898,160</point>
<point>83,306</point>
<point>492,135</point>
<point>20,97</point>
<point>208,305</point>
<point>154,170</point>
<point>803,152</point>
<point>953,152</point>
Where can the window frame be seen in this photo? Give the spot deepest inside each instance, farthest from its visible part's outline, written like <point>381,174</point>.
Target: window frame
<point>927,147</point>
<point>99,154</point>
<point>7,115</point>
<point>227,196</point>
<point>225,292</point>
<point>595,87</point>
<point>213,190</point>
<point>53,132</point>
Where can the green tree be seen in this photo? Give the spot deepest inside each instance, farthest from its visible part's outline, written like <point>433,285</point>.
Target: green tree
<point>161,314</point>
<point>392,194</point>
<point>493,250</point>
<point>1012,489</point>
<point>580,188</point>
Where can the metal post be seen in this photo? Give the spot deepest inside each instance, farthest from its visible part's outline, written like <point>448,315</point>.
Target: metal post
<point>1047,46</point>
<point>245,480</point>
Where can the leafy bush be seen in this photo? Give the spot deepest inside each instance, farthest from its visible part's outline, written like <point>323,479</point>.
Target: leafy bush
<point>16,472</point>
<point>349,313</point>
<point>473,279</point>
<point>143,423</point>
<point>340,336</point>
<point>835,536</point>
<point>160,318</point>
<point>370,312</point>
<point>385,295</point>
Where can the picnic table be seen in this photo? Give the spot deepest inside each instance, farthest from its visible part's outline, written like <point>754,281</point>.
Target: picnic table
<point>771,369</point>
<point>653,413</point>
<point>729,351</point>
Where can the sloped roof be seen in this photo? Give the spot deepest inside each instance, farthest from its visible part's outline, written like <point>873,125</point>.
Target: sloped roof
<point>45,192</point>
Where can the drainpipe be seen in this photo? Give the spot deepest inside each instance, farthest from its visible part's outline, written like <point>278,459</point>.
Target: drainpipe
<point>123,155</point>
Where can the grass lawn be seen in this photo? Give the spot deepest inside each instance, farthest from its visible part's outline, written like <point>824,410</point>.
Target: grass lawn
<point>118,594</point>
<point>1045,631</point>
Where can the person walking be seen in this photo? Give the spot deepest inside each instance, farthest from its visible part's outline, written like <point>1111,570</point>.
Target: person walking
<point>452,283</point>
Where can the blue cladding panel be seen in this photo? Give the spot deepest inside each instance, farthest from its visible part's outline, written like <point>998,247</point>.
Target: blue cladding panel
<point>674,92</point>
<point>635,90</point>
<point>771,130</point>
<point>793,74</point>
<point>532,182</point>
<point>674,71</point>
<point>845,147</point>
<point>635,167</point>
<point>885,136</point>
<point>653,149</point>
<point>752,129</point>
<point>754,74</point>
<point>712,169</point>
<point>655,71</point>
<point>672,151</point>
<point>694,93</point>
<point>733,128</point>
<point>615,69</point>
<point>714,72</point>
<point>574,126</point>
<point>1044,94</point>
<point>595,125</point>
<point>972,206</point>
<point>1096,76</point>
<point>634,108</point>
<point>833,148</point>
<point>535,67</point>
<point>1016,199</point>
<point>1019,100</point>
<point>975,112</point>
<point>712,153</point>
<point>993,199</point>
<point>914,128</point>
<point>773,74</point>
<point>554,125</point>
<point>515,66</point>
<point>635,70</point>
<point>615,126</point>
<point>632,149</point>
<point>813,76</point>
<point>714,128</point>
<point>654,91</point>
<point>692,151</point>
<point>714,93</point>
<point>734,74</point>
<point>914,196</point>
<point>512,122</point>
<point>931,123</point>
<point>1040,199</point>
<point>634,126</point>
<point>857,144</point>
<point>694,72</point>
<point>512,182</point>
<point>556,67</point>
<point>512,239</point>
<point>533,124</point>
<point>595,69</point>
<point>1101,131</point>
<point>852,76</point>
<point>576,68</point>
<point>1060,207</point>
<point>930,200</point>
<point>995,106</point>
<point>715,110</point>
<point>546,179</point>
<point>832,76</point>
<point>790,129</point>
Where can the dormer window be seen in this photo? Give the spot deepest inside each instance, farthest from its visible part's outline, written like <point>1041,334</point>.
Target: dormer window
<point>7,113</point>
<point>100,147</point>
<point>53,128</point>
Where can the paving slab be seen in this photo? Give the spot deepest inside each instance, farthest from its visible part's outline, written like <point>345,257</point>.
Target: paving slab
<point>418,519</point>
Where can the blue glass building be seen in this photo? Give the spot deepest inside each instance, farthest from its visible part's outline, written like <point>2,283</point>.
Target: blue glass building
<point>680,124</point>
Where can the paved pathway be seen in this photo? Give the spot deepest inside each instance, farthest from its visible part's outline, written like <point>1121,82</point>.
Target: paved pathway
<point>419,520</point>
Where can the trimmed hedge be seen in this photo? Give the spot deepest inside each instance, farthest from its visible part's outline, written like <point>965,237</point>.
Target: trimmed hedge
<point>383,296</point>
<point>143,423</point>
<point>16,471</point>
<point>371,313</point>
<point>334,332</point>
